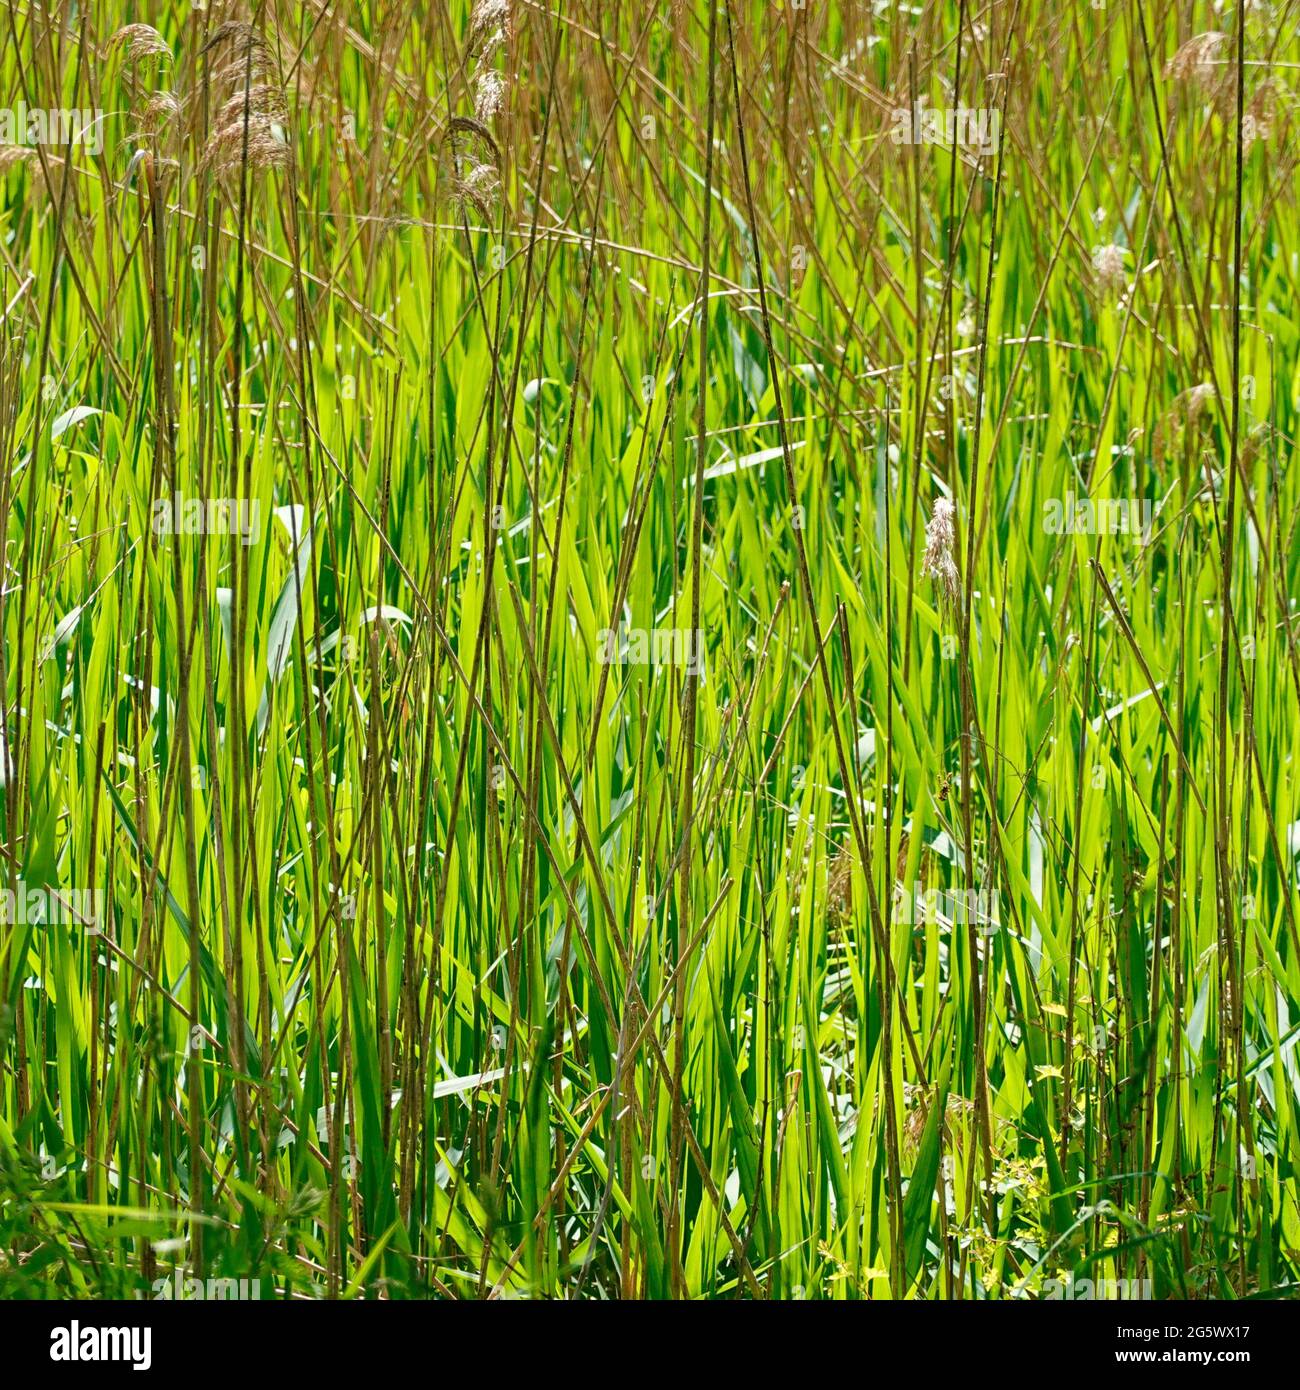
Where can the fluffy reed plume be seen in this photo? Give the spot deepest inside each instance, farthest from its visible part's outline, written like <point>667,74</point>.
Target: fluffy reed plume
<point>937,561</point>
<point>479,188</point>
<point>472,158</point>
<point>1254,441</point>
<point>260,146</point>
<point>1185,414</point>
<point>160,114</point>
<point>489,25</point>
<point>42,177</point>
<point>1195,62</point>
<point>489,94</point>
<point>920,1099</point>
<point>839,887</point>
<point>1108,268</point>
<point>13,155</point>
<point>239,56</point>
<point>249,124</point>
<point>262,102</point>
<point>1257,120</point>
<point>473,164</point>
<point>1196,400</point>
<point>1207,73</point>
<point>138,42</point>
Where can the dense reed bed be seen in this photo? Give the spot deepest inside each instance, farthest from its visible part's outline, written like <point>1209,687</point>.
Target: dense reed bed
<point>649,650</point>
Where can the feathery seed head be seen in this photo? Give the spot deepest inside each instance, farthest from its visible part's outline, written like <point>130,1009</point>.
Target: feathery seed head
<point>140,41</point>
<point>489,94</point>
<point>240,57</point>
<point>1108,268</point>
<point>262,101</point>
<point>1257,120</point>
<point>937,561</point>
<point>1183,416</point>
<point>12,155</point>
<point>489,23</point>
<point>160,111</point>
<point>1195,61</point>
<point>478,187</point>
<point>471,161</point>
<point>259,142</point>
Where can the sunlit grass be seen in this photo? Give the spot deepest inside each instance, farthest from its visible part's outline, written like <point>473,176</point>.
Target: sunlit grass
<point>933,936</point>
